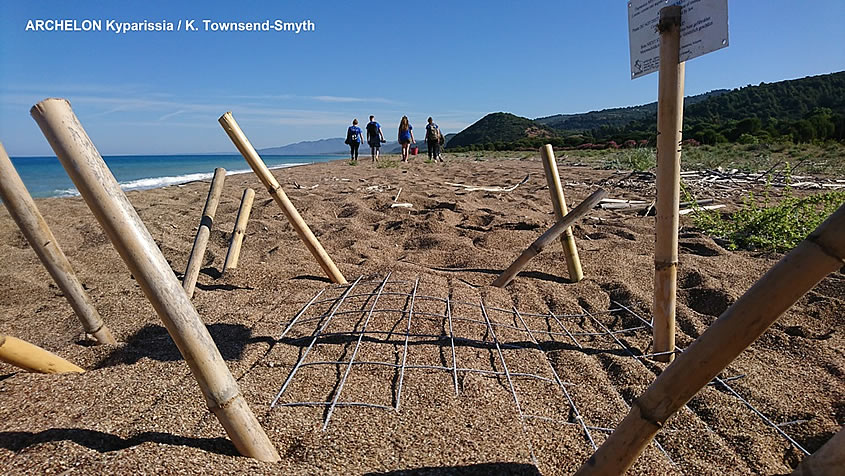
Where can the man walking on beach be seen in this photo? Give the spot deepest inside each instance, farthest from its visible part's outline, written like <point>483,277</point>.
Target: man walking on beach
<point>433,138</point>
<point>374,137</point>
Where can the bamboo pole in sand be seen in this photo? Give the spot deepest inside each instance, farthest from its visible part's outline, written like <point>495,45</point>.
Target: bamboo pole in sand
<point>32,358</point>
<point>550,235</point>
<point>254,160</point>
<point>135,245</point>
<point>240,229</point>
<point>670,107</point>
<point>33,226</point>
<point>192,270</point>
<point>570,250</point>
<point>827,460</point>
<point>822,253</point>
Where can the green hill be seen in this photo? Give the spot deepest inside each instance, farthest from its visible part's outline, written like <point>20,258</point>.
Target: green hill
<point>501,128</point>
<point>616,117</point>
<point>799,110</point>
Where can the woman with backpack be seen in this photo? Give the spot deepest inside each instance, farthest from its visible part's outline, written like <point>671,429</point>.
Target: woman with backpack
<point>406,137</point>
<point>434,138</point>
<point>353,139</point>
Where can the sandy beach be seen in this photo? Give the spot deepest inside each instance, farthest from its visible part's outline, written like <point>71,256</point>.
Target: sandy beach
<point>448,391</point>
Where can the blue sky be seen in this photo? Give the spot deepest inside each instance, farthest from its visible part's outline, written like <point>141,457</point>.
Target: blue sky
<point>162,92</point>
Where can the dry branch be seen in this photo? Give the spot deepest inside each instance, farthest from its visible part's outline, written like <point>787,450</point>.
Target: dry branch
<point>473,188</point>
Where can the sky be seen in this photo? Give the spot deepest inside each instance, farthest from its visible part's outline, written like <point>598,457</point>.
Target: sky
<point>162,92</point>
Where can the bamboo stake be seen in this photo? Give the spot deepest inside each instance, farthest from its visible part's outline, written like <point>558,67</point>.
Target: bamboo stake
<point>192,270</point>
<point>550,235</point>
<point>670,107</point>
<point>827,460</point>
<point>823,252</point>
<point>135,245</point>
<point>32,358</point>
<point>240,229</point>
<point>33,226</point>
<point>570,250</point>
<point>254,160</point>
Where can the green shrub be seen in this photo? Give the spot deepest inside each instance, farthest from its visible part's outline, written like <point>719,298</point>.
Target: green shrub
<point>779,227</point>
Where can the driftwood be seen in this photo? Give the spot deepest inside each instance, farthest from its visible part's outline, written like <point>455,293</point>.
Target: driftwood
<point>550,235</point>
<point>567,240</point>
<point>670,112</point>
<point>706,207</point>
<point>473,188</point>
<point>23,210</point>
<point>233,130</point>
<point>136,246</point>
<point>822,253</point>
<point>192,270</point>
<point>32,358</point>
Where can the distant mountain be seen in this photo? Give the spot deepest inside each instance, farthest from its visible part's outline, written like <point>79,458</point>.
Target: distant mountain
<point>501,127</point>
<point>615,117</point>
<point>334,146</point>
<point>311,147</point>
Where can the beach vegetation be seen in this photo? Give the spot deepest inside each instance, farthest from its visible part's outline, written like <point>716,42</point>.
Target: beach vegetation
<point>761,224</point>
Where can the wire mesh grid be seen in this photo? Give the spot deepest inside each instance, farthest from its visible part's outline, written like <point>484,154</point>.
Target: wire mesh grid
<point>374,324</point>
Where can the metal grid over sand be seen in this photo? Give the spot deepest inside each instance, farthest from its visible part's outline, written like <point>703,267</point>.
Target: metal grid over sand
<point>387,324</point>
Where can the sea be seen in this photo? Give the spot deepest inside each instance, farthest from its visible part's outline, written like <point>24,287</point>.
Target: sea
<point>45,176</point>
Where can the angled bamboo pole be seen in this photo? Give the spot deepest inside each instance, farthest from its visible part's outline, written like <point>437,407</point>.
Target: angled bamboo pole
<point>550,235</point>
<point>670,110</point>
<point>32,358</point>
<point>192,270</point>
<point>23,210</point>
<point>254,160</point>
<point>570,250</point>
<point>829,460</point>
<point>240,229</point>
<point>136,246</point>
<point>822,253</point>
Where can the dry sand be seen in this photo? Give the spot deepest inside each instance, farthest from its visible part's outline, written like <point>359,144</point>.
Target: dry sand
<point>138,410</point>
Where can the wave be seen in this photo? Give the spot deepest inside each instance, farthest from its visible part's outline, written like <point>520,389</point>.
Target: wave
<point>158,182</point>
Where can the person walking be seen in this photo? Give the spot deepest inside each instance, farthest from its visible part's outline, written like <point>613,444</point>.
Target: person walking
<point>374,137</point>
<point>406,137</point>
<point>353,138</point>
<point>433,139</point>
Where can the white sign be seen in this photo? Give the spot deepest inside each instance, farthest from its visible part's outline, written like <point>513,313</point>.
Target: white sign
<point>704,28</point>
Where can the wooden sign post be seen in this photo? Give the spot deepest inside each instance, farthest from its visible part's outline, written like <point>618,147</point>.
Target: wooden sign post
<point>670,109</point>
<point>23,210</point>
<point>570,250</point>
<point>192,270</point>
<point>136,246</point>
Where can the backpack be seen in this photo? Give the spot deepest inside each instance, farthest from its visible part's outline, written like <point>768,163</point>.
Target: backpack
<point>351,137</point>
<point>434,134</point>
<point>372,131</point>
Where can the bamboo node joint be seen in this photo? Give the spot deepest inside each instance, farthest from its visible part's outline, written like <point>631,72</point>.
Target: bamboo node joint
<point>661,265</point>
